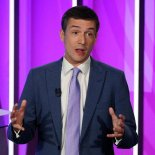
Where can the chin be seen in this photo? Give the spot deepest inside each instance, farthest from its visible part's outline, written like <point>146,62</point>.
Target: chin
<point>81,61</point>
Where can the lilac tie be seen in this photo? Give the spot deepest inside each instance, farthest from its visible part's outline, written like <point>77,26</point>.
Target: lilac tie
<point>73,116</point>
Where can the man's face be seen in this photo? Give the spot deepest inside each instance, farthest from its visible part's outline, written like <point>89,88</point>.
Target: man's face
<point>79,38</point>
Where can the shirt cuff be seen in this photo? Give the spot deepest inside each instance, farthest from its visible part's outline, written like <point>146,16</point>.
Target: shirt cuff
<point>117,141</point>
<point>17,133</point>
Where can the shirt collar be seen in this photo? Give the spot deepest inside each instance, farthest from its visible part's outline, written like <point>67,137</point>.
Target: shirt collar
<point>84,67</point>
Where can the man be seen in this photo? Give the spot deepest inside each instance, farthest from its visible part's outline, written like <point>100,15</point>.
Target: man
<point>104,114</point>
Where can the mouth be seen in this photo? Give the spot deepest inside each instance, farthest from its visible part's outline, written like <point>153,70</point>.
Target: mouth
<point>80,51</point>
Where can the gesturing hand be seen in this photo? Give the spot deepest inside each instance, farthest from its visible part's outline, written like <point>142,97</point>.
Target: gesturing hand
<point>17,116</point>
<point>118,125</point>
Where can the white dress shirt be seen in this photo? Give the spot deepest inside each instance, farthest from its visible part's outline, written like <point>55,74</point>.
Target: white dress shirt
<point>83,78</point>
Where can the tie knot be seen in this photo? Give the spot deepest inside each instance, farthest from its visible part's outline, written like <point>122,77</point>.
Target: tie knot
<point>76,71</point>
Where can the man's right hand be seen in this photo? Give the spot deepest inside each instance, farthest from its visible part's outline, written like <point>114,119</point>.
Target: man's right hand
<point>17,116</point>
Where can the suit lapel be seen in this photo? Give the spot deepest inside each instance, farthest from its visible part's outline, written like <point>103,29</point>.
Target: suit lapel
<point>53,75</point>
<point>96,81</point>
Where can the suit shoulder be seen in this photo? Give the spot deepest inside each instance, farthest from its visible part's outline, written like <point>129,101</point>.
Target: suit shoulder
<point>108,68</point>
<point>50,66</point>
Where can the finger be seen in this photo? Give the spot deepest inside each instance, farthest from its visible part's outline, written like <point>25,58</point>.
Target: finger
<point>15,107</point>
<point>122,117</point>
<point>13,120</point>
<point>112,113</point>
<point>12,114</point>
<point>121,124</point>
<point>115,135</point>
<point>18,127</point>
<point>14,111</point>
<point>118,130</point>
<point>23,105</point>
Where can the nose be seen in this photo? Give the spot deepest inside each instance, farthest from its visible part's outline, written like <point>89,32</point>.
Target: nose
<point>82,39</point>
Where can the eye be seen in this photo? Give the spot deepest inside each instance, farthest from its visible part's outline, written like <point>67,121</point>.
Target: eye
<point>90,34</point>
<point>74,32</point>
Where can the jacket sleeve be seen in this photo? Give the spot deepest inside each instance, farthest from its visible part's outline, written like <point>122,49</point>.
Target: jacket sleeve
<point>123,106</point>
<point>30,114</point>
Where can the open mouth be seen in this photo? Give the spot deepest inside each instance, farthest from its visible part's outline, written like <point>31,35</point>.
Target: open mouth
<point>80,51</point>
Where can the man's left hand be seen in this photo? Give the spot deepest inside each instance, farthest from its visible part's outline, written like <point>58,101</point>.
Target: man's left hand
<point>118,125</point>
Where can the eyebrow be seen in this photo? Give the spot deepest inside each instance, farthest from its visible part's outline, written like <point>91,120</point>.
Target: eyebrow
<point>74,26</point>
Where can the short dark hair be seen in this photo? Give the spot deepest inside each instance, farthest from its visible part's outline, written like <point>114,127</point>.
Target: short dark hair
<point>79,12</point>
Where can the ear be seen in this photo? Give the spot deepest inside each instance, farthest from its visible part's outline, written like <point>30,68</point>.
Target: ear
<point>62,35</point>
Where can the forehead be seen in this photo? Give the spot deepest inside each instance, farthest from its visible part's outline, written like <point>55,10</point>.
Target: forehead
<point>81,24</point>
